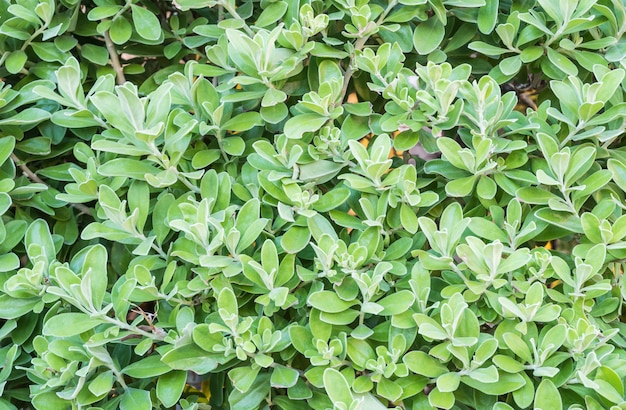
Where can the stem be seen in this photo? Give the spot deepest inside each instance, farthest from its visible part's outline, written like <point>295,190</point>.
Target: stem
<point>572,134</point>
<point>34,36</point>
<point>118,375</point>
<point>556,35</point>
<point>4,57</point>
<point>194,49</point>
<point>568,201</point>
<point>115,60</point>
<point>300,372</point>
<point>349,71</point>
<point>233,12</point>
<point>221,145</point>
<point>133,329</point>
<point>33,177</point>
<point>186,182</point>
<point>458,272</point>
<point>360,43</point>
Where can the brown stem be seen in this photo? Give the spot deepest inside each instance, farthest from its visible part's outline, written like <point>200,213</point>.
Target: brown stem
<point>115,60</point>
<point>33,177</point>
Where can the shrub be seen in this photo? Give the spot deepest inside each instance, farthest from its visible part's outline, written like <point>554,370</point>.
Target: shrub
<point>312,204</point>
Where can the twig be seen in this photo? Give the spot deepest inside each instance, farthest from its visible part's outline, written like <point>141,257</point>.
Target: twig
<point>33,177</point>
<point>358,46</point>
<point>349,71</point>
<point>115,60</point>
<point>233,12</point>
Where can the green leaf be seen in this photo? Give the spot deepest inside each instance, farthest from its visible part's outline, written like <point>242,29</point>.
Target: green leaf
<point>102,12</point>
<point>421,363</point>
<point>275,113</point>
<point>123,167</point>
<point>547,396</point>
<point>296,126</point>
<point>428,35</point>
<point>533,195</point>
<point>15,61</point>
<point>618,169</point>
<point>448,382</point>
<point>320,171</point>
<point>48,52</point>
<point>530,54</point>
<point>408,218</point>
<point>319,226</point>
<point>6,148</point>
<point>329,302</point>
<point>396,303</point>
<point>69,324</point>
<point>273,96</point>
<point>253,397</point>
<point>508,364</point>
<point>39,233</point>
<point>563,220</point>
<point>28,116</point>
<point>295,239</point>
<point>510,65</point>
<point>243,122</point>
<point>518,346</point>
<point>13,308</point>
<point>439,399</point>
<point>149,367</point>
<point>461,187</point>
<point>272,13</point>
<point>170,387</point>
<point>191,357</point>
<point>487,49</point>
<point>94,271</point>
<point>562,62</point>
<point>243,377</point>
<point>234,145</point>
<point>50,400</point>
<point>450,150</point>
<point>146,24</point>
<point>9,262</point>
<point>405,140</point>
<point>95,54</point>
<point>487,229</point>
<point>227,304</point>
<point>204,158</point>
<point>506,383</point>
<point>337,388</point>
<point>102,384</point>
<point>591,227</point>
<point>332,199</point>
<point>389,389</point>
<point>488,16</point>
<point>342,318</point>
<point>135,399</point>
<point>486,188</point>
<point>120,30</point>
<point>360,351</point>
<point>610,384</point>
<point>283,377</point>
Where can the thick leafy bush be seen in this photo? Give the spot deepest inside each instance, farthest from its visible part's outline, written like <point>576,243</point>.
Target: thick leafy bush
<point>341,204</point>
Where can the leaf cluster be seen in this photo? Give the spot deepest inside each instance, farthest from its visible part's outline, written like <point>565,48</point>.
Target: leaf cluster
<point>339,204</point>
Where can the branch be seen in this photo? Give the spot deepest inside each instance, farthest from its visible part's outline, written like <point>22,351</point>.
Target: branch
<point>358,46</point>
<point>233,12</point>
<point>33,177</point>
<point>115,60</point>
<point>349,71</point>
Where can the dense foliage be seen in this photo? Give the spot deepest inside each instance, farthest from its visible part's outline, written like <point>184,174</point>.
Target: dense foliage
<point>341,204</point>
